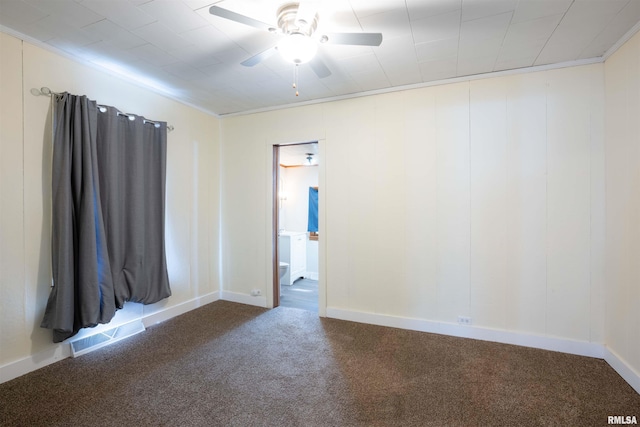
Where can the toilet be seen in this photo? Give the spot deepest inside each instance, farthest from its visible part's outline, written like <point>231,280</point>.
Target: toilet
<point>284,267</point>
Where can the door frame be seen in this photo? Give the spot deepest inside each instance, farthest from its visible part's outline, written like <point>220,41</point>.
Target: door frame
<point>275,212</point>
<point>273,276</point>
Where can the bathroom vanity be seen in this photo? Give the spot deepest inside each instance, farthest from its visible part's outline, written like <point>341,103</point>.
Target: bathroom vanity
<point>293,250</point>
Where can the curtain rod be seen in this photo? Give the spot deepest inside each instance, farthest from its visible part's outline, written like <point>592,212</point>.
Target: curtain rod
<point>48,92</point>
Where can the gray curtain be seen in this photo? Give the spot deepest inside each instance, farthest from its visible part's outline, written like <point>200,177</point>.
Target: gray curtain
<point>132,157</point>
<point>108,197</point>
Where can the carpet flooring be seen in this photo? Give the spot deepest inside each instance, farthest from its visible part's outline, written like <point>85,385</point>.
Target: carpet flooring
<point>228,364</point>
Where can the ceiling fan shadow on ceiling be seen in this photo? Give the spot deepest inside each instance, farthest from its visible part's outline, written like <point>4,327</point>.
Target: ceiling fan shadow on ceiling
<point>297,22</point>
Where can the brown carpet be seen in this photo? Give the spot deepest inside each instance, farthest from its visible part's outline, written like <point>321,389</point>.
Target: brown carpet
<point>229,364</point>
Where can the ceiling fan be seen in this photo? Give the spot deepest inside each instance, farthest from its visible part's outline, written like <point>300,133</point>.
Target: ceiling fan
<point>298,23</point>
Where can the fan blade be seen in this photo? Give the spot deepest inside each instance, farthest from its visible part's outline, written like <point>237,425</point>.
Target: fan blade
<point>319,67</point>
<point>256,59</point>
<point>360,39</point>
<point>232,16</point>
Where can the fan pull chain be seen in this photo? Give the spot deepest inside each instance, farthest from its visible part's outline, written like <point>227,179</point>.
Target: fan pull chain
<point>295,78</point>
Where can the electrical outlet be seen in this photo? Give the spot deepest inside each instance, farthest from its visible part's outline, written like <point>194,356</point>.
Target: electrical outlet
<point>256,293</point>
<point>463,320</point>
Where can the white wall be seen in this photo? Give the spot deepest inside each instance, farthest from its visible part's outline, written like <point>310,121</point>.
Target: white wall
<point>296,181</point>
<point>481,199</point>
<point>25,154</point>
<point>622,72</point>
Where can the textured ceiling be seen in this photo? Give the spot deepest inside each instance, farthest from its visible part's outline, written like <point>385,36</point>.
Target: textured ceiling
<point>178,48</point>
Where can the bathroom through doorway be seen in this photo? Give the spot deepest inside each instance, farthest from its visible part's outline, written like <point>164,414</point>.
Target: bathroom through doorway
<point>296,234</point>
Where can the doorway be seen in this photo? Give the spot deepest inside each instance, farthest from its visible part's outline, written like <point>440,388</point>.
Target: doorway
<point>295,221</point>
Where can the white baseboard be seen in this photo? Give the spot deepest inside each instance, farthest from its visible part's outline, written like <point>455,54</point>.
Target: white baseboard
<point>622,368</point>
<point>563,345</point>
<point>259,301</point>
<point>311,275</point>
<point>63,350</point>
<point>34,362</point>
<point>177,310</point>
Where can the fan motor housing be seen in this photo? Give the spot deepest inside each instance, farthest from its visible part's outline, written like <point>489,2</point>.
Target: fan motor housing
<point>287,14</point>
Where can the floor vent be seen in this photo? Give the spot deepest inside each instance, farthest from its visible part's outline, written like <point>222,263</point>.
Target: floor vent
<point>99,340</point>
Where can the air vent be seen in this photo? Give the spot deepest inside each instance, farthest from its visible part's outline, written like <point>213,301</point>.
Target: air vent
<point>101,339</point>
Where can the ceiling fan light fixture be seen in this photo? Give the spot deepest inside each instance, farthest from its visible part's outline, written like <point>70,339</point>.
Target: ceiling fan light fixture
<point>297,48</point>
<point>310,159</point>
